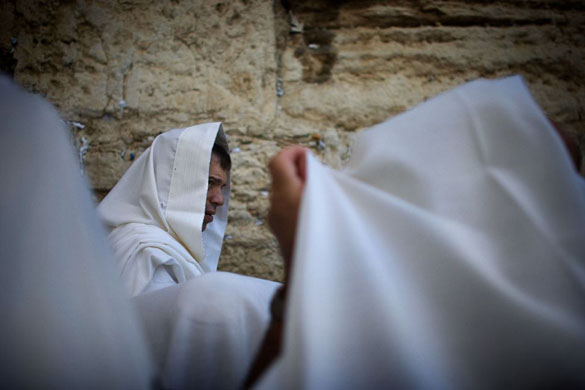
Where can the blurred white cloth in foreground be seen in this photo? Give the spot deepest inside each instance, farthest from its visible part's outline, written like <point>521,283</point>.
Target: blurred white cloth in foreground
<point>449,254</point>
<point>66,320</point>
<point>204,333</point>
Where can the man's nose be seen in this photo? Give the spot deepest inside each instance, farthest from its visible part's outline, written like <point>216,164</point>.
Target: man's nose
<point>217,197</point>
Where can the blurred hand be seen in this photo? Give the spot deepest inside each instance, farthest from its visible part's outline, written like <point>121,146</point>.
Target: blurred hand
<point>289,173</point>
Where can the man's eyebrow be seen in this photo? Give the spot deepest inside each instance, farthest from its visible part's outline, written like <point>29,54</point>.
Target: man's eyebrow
<point>216,179</point>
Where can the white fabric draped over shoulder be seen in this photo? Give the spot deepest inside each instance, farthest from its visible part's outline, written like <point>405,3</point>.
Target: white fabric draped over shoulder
<point>449,254</point>
<point>155,212</point>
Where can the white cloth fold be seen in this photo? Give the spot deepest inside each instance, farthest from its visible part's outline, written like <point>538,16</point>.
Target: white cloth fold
<point>205,333</point>
<point>155,212</point>
<point>449,254</point>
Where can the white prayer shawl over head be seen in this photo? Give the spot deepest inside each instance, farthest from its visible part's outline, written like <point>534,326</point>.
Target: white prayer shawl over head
<point>449,254</point>
<point>67,322</point>
<point>156,210</point>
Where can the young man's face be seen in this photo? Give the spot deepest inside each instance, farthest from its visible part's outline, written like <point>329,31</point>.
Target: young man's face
<point>217,181</point>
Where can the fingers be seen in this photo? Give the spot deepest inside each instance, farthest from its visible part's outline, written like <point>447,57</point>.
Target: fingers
<point>289,167</point>
<point>289,174</point>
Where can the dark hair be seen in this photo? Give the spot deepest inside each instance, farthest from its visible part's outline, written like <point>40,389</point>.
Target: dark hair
<point>224,157</point>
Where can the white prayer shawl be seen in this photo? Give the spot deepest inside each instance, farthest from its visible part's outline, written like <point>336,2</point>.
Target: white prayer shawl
<point>203,328</point>
<point>449,254</point>
<point>67,322</point>
<point>205,333</point>
<point>155,212</point>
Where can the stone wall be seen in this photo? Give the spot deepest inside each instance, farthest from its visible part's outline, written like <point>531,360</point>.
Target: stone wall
<point>276,73</point>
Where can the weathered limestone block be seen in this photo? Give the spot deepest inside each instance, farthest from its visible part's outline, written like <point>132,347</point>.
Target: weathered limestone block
<point>380,73</point>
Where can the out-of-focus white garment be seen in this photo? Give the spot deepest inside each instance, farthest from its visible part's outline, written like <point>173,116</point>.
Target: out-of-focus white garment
<point>67,322</point>
<point>449,254</point>
<point>155,212</point>
<point>205,333</point>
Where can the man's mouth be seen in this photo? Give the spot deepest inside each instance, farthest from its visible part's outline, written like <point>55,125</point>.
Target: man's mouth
<point>208,216</point>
